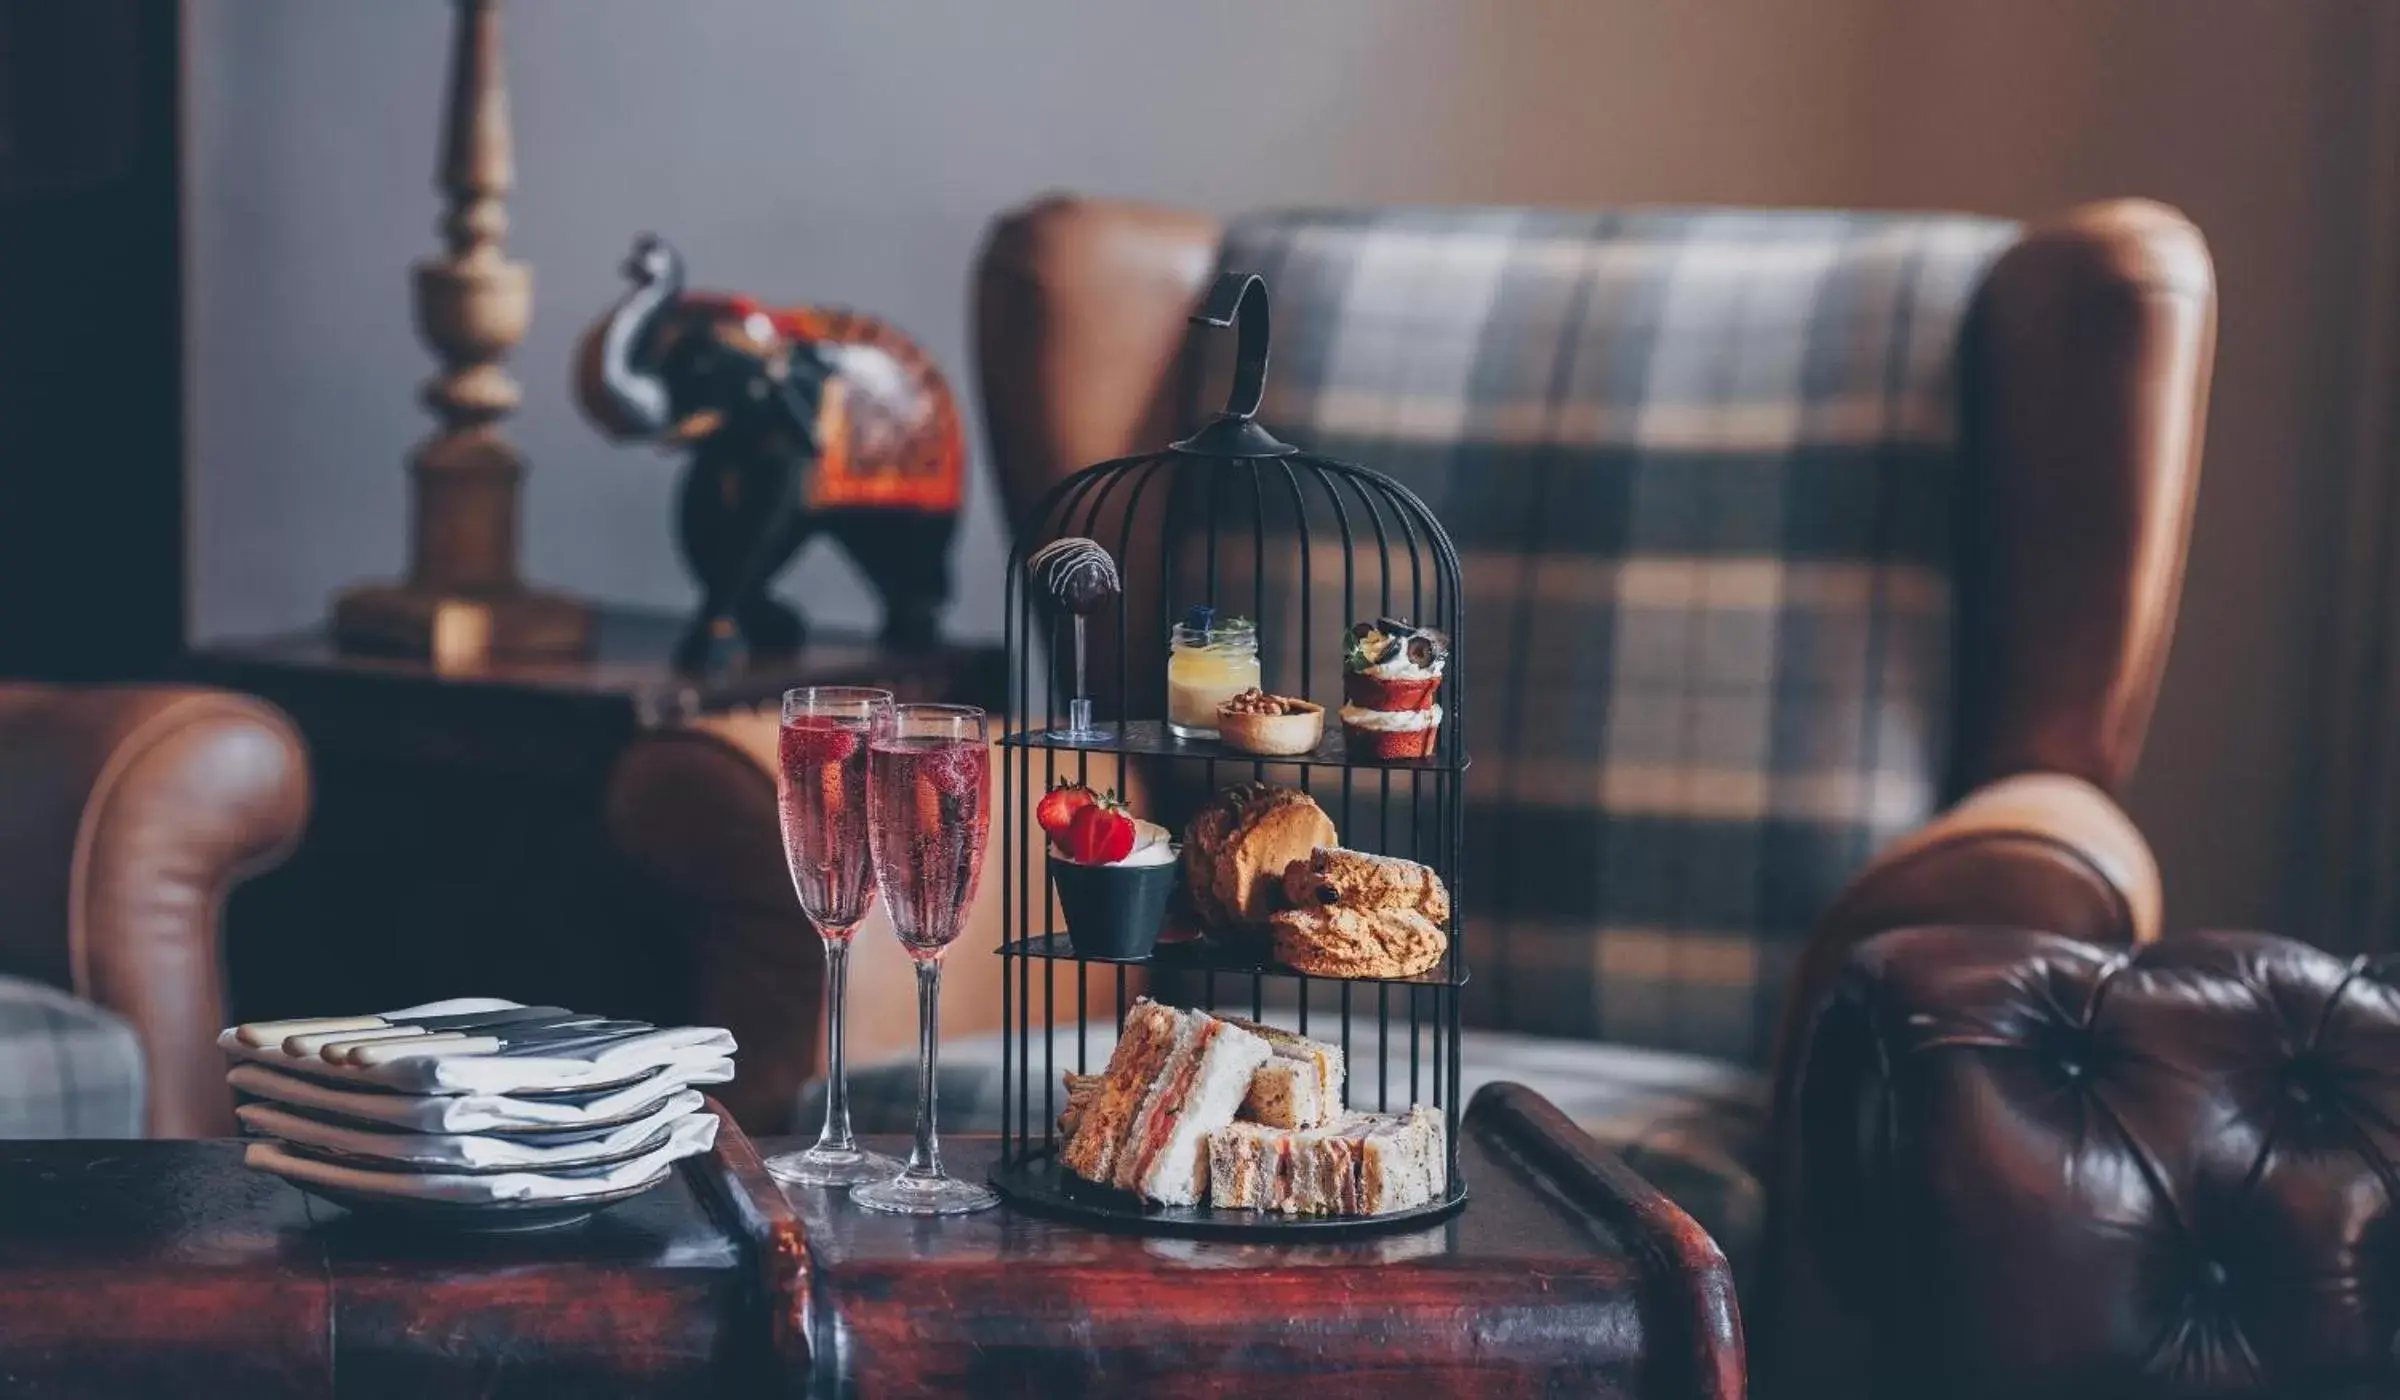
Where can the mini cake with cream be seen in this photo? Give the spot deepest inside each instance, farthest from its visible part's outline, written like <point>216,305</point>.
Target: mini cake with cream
<point>1390,671</point>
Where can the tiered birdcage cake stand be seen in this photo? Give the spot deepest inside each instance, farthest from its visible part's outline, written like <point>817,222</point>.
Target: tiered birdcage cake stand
<point>1237,520</point>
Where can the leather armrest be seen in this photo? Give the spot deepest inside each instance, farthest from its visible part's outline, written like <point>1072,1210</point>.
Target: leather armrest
<point>2035,851</point>
<point>2039,850</point>
<point>131,814</point>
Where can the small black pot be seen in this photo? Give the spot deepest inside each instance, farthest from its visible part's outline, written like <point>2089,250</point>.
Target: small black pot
<point>1114,911</point>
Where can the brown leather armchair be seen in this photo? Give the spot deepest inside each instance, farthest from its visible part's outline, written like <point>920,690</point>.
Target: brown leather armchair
<point>126,817</point>
<point>2084,369</point>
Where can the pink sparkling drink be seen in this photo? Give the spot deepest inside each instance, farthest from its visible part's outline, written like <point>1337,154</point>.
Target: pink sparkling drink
<point>821,799</point>
<point>930,808</point>
<point>823,802</point>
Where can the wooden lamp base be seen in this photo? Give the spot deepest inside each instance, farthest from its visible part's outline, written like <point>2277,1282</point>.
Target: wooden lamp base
<point>452,629</point>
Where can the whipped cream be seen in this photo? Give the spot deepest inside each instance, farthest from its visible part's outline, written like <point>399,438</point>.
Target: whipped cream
<point>1394,721</point>
<point>1400,668</point>
<point>1152,845</point>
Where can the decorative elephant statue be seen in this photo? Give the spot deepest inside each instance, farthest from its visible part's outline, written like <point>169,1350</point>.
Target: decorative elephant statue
<point>798,420</point>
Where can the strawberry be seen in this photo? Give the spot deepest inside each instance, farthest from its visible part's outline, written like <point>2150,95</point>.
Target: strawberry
<point>811,739</point>
<point>1101,833</point>
<point>1059,806</point>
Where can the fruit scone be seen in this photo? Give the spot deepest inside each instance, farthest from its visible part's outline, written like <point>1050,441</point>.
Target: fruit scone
<point>1237,847</point>
<point>1354,914</point>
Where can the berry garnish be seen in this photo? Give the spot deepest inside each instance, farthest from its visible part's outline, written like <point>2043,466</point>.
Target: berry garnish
<point>1101,833</point>
<point>1059,806</point>
<point>817,739</point>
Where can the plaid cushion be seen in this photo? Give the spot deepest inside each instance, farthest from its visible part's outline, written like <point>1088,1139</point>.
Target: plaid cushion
<point>1694,1128</point>
<point>67,1068</point>
<point>1701,468</point>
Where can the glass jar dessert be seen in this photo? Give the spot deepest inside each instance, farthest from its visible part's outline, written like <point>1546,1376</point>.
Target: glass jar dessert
<point>1209,661</point>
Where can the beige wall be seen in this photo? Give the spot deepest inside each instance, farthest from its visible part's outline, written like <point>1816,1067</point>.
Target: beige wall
<point>852,150</point>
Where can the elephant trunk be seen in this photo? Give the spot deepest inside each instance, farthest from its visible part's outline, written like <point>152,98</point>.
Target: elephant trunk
<point>619,386</point>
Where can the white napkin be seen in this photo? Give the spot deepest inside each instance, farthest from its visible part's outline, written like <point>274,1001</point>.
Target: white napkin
<point>499,1074</point>
<point>476,1190</point>
<point>679,1114</point>
<point>473,1113</point>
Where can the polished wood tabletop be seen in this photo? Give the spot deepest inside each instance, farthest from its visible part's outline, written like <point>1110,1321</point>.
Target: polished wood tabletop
<point>1566,1274</point>
<point>166,1268</point>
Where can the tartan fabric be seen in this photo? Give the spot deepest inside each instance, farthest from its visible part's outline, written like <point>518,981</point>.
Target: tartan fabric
<point>67,1068</point>
<point>1694,1128</point>
<point>1701,468</point>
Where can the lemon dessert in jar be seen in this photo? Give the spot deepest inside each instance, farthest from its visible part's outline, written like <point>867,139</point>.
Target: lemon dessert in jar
<point>1208,663</point>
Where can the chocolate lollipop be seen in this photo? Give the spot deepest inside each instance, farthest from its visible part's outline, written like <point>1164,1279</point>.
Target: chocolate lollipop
<point>1077,574</point>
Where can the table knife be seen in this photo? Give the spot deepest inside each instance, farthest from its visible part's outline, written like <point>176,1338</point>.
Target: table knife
<point>333,1046</point>
<point>372,1054</point>
<point>264,1033</point>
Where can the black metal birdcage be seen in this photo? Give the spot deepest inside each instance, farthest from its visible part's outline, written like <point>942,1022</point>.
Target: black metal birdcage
<point>1233,518</point>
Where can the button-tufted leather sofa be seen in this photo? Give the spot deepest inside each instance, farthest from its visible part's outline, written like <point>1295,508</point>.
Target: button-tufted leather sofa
<point>2028,1166</point>
<point>127,814</point>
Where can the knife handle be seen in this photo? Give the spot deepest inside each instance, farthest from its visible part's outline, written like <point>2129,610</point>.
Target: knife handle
<point>260,1034</point>
<point>306,1045</point>
<point>374,1054</point>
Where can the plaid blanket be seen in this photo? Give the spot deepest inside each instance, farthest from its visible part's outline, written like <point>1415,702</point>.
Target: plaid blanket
<point>67,1068</point>
<point>1701,469</point>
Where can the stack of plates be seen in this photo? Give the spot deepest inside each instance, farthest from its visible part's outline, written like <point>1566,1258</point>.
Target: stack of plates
<point>476,1112</point>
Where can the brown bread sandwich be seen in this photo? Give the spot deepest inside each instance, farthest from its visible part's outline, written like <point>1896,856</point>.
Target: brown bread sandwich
<point>1367,1164</point>
<point>1174,1078</point>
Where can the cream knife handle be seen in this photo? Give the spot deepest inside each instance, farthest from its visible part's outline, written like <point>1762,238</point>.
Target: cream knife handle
<point>261,1034</point>
<point>305,1045</point>
<point>374,1054</point>
<point>335,1050</point>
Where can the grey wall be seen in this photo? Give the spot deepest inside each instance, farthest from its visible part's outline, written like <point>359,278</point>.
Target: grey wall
<point>838,151</point>
<point>854,149</point>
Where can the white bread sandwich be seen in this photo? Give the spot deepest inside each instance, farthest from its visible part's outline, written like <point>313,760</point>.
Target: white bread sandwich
<point>1301,1087</point>
<point>1367,1164</point>
<point>1175,1077</point>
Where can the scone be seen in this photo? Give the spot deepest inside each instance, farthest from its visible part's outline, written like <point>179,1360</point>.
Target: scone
<point>1359,880</point>
<point>1337,942</point>
<point>1237,848</point>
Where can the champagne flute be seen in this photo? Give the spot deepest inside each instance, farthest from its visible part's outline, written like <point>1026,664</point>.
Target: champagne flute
<point>821,796</point>
<point>929,796</point>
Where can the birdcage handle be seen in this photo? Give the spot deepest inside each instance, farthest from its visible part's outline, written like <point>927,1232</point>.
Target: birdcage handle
<point>1239,299</point>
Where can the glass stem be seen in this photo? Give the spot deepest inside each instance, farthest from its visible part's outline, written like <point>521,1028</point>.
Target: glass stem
<point>925,1159</point>
<point>1079,690</point>
<point>836,1135</point>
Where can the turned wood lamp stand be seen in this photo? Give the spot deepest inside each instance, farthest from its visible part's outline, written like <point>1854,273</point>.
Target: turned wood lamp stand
<point>463,601</point>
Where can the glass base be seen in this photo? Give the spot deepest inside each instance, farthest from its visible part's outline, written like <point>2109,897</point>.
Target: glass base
<point>1078,736</point>
<point>831,1166</point>
<point>926,1195</point>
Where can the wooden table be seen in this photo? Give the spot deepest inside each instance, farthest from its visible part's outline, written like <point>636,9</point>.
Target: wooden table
<point>164,1268</point>
<point>458,844</point>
